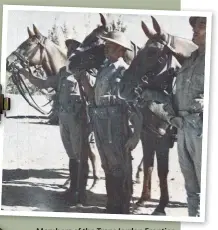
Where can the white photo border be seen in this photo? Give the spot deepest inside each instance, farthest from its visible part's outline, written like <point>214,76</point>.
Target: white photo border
<point>206,14</point>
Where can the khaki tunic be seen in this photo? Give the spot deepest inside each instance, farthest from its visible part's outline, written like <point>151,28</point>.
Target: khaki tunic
<point>106,80</point>
<point>110,125</point>
<point>70,114</point>
<point>188,103</point>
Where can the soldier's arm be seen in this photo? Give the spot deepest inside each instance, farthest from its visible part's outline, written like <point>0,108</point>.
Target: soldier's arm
<point>88,85</point>
<point>40,83</point>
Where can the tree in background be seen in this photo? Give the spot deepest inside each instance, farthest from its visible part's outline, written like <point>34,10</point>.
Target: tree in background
<point>53,33</point>
<point>117,22</point>
<point>58,34</point>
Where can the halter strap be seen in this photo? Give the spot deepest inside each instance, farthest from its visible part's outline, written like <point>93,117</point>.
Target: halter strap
<point>18,81</point>
<point>165,59</point>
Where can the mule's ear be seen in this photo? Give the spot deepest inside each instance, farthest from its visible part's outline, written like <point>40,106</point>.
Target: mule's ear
<point>156,25</point>
<point>31,34</point>
<point>103,20</point>
<point>36,31</point>
<point>146,30</point>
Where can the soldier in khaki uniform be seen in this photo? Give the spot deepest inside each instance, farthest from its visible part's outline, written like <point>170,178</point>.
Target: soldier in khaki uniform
<point>187,114</point>
<point>110,118</point>
<point>70,123</point>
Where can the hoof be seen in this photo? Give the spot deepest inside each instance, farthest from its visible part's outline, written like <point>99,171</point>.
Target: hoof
<point>141,202</point>
<point>80,205</point>
<point>68,197</point>
<point>158,213</point>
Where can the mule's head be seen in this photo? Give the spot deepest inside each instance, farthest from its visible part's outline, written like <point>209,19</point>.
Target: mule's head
<point>90,53</point>
<point>156,56</point>
<point>30,52</point>
<point>37,50</point>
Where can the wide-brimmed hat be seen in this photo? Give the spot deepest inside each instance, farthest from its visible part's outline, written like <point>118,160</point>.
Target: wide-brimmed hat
<point>119,38</point>
<point>192,20</point>
<point>69,41</point>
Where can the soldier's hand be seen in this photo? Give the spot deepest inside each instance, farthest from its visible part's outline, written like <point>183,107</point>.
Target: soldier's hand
<point>132,143</point>
<point>198,104</point>
<point>177,122</point>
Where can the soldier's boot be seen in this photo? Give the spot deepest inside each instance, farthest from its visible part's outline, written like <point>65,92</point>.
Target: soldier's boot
<point>115,195</point>
<point>127,192</point>
<point>108,192</point>
<point>70,194</point>
<point>82,196</point>
<point>146,191</point>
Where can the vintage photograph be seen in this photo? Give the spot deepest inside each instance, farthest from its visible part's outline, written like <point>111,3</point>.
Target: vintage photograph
<point>109,112</point>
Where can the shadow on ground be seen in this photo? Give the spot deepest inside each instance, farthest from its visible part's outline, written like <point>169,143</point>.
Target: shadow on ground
<point>23,174</point>
<point>171,204</point>
<point>39,198</point>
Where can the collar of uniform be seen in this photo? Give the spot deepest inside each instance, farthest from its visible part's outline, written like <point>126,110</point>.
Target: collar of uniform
<point>197,54</point>
<point>119,62</point>
<point>201,52</point>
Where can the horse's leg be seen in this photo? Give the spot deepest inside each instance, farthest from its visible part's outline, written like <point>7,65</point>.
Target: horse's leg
<point>148,163</point>
<point>139,170</point>
<point>92,158</point>
<point>162,154</point>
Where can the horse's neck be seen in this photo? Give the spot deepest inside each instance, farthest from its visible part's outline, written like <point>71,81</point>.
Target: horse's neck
<point>55,59</point>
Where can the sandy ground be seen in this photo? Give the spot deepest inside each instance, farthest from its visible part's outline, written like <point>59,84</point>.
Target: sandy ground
<point>35,163</point>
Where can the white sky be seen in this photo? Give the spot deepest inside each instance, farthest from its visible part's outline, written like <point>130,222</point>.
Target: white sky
<point>44,20</point>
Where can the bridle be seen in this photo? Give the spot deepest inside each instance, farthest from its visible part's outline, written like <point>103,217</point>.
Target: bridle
<point>155,77</point>
<point>18,80</point>
<point>23,60</point>
<point>86,57</point>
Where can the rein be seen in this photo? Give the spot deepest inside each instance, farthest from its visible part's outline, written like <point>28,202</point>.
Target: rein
<point>18,80</point>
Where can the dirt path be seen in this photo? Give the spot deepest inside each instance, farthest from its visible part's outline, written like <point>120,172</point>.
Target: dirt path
<point>35,163</point>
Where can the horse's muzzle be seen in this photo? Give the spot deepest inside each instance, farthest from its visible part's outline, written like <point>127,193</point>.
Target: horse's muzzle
<point>10,61</point>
